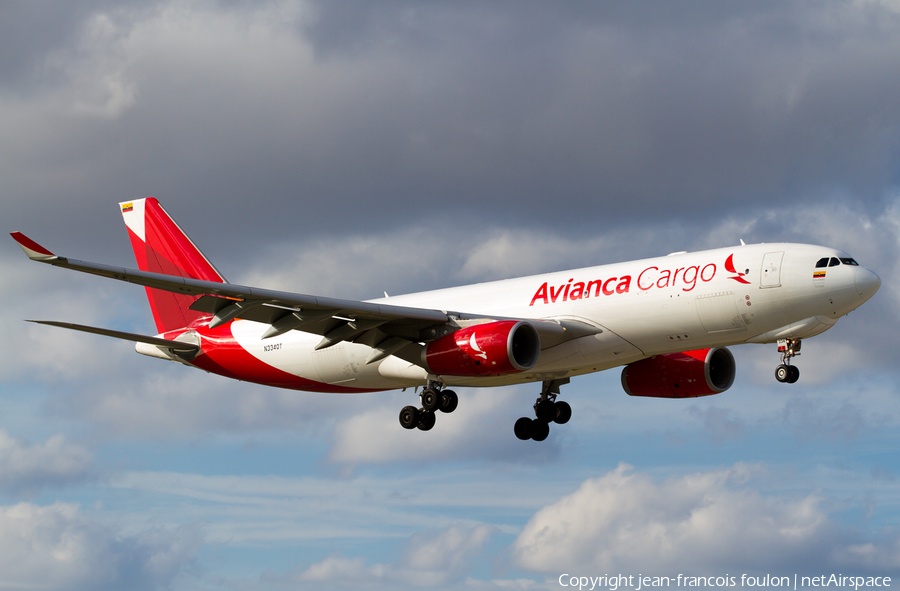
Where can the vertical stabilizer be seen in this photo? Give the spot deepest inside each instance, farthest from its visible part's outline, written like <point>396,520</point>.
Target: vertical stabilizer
<point>160,246</point>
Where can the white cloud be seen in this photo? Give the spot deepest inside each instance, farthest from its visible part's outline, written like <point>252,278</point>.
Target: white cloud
<point>704,522</point>
<point>25,469</point>
<point>60,547</point>
<point>307,510</point>
<point>447,550</point>
<point>505,253</point>
<point>431,559</point>
<point>363,266</point>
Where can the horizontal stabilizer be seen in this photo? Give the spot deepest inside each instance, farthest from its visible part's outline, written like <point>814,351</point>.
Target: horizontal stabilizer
<point>127,336</point>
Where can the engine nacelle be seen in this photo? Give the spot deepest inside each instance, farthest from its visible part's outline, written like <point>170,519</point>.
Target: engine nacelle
<point>681,375</point>
<point>495,348</point>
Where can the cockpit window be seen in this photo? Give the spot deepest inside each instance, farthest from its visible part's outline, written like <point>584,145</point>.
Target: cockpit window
<point>834,262</point>
<point>850,262</point>
<point>822,263</point>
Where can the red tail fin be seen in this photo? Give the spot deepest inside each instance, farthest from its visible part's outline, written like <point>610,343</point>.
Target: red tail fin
<point>160,246</point>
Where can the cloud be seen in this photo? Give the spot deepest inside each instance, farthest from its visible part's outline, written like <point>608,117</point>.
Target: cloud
<point>25,470</point>
<point>317,512</point>
<point>40,292</point>
<point>175,401</point>
<point>346,148</point>
<point>59,546</point>
<point>430,559</point>
<point>99,86</point>
<point>626,521</point>
<point>321,113</point>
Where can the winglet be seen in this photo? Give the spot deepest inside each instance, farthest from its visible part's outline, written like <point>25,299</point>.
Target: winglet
<point>35,251</point>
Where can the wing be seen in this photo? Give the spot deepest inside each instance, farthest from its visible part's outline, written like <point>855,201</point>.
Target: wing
<point>388,329</point>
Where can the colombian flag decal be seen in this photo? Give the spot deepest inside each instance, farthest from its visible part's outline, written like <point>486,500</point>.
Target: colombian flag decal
<point>818,274</point>
<point>127,207</point>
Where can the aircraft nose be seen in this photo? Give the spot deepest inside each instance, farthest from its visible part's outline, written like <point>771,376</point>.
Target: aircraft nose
<point>867,282</point>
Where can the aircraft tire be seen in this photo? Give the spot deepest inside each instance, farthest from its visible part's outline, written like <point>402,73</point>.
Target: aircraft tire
<point>523,428</point>
<point>431,399</point>
<point>563,412</point>
<point>449,401</point>
<point>794,374</point>
<point>540,430</point>
<point>409,417</point>
<point>783,373</point>
<point>545,410</point>
<point>426,421</point>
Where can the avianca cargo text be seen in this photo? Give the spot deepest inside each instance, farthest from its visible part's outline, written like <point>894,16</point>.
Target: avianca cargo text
<point>684,278</point>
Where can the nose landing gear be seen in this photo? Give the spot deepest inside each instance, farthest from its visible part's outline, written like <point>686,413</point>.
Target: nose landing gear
<point>547,409</point>
<point>434,398</point>
<point>787,373</point>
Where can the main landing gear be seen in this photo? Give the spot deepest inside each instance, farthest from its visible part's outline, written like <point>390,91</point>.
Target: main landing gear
<point>434,398</point>
<point>786,372</point>
<point>548,410</point>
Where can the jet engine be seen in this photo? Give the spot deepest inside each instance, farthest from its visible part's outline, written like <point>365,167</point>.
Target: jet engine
<point>680,375</point>
<point>495,348</point>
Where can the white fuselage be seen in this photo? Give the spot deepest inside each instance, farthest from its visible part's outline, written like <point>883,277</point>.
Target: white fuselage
<point>747,294</point>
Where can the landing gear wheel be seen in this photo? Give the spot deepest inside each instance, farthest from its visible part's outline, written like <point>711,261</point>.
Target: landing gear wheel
<point>449,401</point>
<point>563,412</point>
<point>783,373</point>
<point>786,373</point>
<point>539,430</point>
<point>431,399</point>
<point>793,374</point>
<point>545,410</point>
<point>409,417</point>
<point>426,421</point>
<point>524,428</point>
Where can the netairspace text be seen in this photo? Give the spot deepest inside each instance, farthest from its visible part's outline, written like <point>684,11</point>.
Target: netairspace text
<point>639,582</point>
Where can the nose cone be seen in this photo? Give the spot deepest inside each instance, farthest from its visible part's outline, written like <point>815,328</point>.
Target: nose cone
<point>867,283</point>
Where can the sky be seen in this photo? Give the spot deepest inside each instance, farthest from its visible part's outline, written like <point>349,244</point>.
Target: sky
<point>350,148</point>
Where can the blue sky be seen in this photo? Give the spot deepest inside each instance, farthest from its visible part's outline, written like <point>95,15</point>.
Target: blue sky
<point>351,148</point>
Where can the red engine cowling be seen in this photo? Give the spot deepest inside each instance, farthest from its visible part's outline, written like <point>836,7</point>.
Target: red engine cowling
<point>495,348</point>
<point>681,375</point>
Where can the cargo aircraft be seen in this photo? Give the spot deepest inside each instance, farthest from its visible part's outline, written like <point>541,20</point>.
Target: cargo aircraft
<point>667,320</point>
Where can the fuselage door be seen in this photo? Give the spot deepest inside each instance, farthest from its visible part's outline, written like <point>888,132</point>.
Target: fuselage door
<point>771,270</point>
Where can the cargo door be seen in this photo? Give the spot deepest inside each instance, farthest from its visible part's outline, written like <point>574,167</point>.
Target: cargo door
<point>771,270</point>
<point>719,313</point>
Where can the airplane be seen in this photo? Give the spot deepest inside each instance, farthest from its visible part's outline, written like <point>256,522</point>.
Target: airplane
<point>667,320</point>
